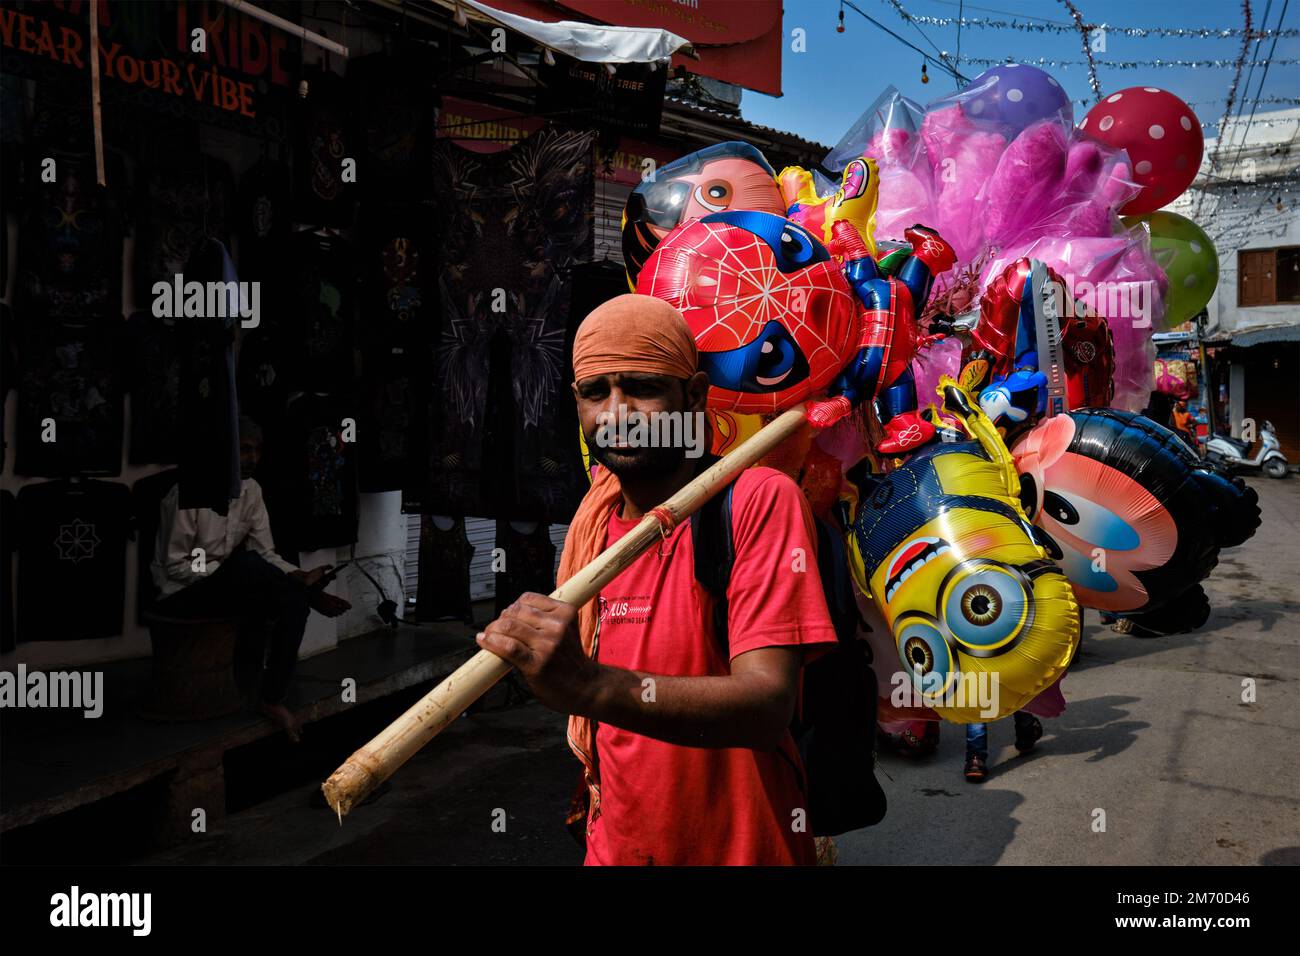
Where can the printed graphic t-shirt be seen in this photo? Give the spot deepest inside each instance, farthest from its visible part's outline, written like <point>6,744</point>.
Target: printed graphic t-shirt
<point>71,375</point>
<point>71,559</point>
<point>153,367</point>
<point>311,481</point>
<point>666,805</point>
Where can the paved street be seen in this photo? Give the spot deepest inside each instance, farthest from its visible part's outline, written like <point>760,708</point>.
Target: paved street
<point>1156,735</point>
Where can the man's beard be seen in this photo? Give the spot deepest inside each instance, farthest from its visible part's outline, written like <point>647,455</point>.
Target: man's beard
<point>632,463</point>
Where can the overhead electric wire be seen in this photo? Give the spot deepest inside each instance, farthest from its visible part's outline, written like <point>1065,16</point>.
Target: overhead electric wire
<point>1259,89</point>
<point>1232,96</point>
<point>907,43</point>
<point>908,19</point>
<point>960,16</point>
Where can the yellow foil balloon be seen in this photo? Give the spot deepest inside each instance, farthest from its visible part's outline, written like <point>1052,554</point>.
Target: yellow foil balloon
<point>854,201</point>
<point>982,619</point>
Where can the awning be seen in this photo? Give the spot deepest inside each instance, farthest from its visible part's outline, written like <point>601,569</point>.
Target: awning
<point>736,41</point>
<point>590,42</point>
<point>1264,334</point>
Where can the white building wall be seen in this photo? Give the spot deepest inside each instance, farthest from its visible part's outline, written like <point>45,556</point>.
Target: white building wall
<point>1256,161</point>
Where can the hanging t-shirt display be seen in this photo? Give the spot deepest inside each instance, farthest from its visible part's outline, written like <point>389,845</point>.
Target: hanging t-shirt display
<point>8,352</point>
<point>502,428</point>
<point>400,264</point>
<point>72,559</point>
<point>265,220</point>
<point>8,542</point>
<point>394,390</point>
<point>69,418</point>
<point>315,486</point>
<point>146,498</point>
<point>70,244</point>
<point>13,137</point>
<point>182,201</point>
<point>320,323</point>
<point>8,368</point>
<point>208,453</point>
<point>152,362</point>
<point>445,553</point>
<point>529,563</point>
<point>326,139</point>
<point>392,95</point>
<point>261,377</point>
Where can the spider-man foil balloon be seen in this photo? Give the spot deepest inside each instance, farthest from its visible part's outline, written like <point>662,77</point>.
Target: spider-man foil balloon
<point>1005,360</point>
<point>779,321</point>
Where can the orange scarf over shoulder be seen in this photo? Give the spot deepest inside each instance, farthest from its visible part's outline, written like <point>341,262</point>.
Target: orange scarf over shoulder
<point>630,333</point>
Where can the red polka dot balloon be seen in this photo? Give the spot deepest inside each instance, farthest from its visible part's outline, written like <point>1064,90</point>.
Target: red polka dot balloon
<point>1163,139</point>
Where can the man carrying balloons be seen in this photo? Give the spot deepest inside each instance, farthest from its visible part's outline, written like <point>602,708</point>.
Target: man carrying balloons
<point>684,739</point>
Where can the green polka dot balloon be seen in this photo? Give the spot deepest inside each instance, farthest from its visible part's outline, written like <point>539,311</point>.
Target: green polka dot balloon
<point>1189,259</point>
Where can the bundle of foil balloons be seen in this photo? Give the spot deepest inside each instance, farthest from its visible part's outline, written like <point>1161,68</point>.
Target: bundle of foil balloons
<point>964,307</point>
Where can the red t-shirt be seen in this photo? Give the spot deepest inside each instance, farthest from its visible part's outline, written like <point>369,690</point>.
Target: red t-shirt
<point>663,804</point>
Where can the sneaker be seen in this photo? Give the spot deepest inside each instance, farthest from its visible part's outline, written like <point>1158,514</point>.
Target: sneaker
<point>904,432</point>
<point>930,248</point>
<point>912,745</point>
<point>975,770</point>
<point>1027,737</point>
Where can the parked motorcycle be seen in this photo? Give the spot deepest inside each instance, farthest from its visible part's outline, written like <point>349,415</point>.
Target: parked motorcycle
<point>1227,454</point>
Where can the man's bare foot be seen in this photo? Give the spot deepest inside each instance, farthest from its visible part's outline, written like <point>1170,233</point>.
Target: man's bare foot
<point>283,718</point>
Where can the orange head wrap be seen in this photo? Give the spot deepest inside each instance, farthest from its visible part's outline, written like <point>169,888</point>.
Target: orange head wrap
<point>634,333</point>
<point>630,333</point>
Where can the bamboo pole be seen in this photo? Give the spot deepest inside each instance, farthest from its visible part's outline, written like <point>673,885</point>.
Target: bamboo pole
<point>379,759</point>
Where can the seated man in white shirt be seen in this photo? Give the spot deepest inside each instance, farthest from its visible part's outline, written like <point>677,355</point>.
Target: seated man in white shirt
<point>241,575</point>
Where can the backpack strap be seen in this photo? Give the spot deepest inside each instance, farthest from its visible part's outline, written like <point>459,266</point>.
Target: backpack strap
<point>715,553</point>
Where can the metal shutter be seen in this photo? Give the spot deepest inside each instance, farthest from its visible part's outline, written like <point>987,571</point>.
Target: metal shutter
<point>411,566</point>
<point>558,531</point>
<point>610,199</point>
<point>482,534</point>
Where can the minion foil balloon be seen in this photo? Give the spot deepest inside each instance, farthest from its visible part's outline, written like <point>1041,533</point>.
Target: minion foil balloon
<point>982,619</point>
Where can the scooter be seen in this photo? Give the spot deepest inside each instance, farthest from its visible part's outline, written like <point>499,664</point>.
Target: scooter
<point>1226,453</point>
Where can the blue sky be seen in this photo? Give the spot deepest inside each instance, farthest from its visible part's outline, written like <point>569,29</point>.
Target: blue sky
<point>839,75</point>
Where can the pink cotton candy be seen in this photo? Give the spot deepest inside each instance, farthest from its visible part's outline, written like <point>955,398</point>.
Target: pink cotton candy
<point>844,441</point>
<point>1050,193</point>
<point>1083,165</point>
<point>959,199</point>
<point>941,358</point>
<point>1117,277</point>
<point>941,131</point>
<point>1086,219</point>
<point>1050,703</point>
<point>891,146</point>
<point>1119,187</point>
<point>909,203</point>
<point>1027,176</point>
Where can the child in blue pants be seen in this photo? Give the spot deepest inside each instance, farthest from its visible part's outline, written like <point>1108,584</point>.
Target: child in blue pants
<point>1028,729</point>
